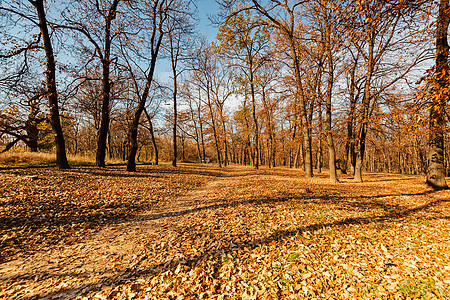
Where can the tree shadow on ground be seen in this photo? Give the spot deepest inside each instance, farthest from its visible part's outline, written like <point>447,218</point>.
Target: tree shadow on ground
<point>243,241</point>
<point>148,172</point>
<point>344,202</point>
<point>55,216</point>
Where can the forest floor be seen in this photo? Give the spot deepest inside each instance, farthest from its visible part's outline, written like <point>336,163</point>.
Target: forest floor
<point>200,232</point>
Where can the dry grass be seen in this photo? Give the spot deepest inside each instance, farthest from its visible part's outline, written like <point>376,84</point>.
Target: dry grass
<point>26,158</point>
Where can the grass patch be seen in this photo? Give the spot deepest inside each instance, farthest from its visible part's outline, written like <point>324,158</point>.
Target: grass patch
<point>293,256</point>
<point>414,288</point>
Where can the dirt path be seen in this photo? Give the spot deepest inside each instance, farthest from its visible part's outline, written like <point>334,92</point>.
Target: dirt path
<point>104,258</point>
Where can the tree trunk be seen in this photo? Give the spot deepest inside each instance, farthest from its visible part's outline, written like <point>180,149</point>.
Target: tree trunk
<point>131,164</point>
<point>436,168</point>
<point>197,136</point>
<point>362,126</point>
<point>50,73</point>
<point>106,90</point>
<point>255,120</point>
<point>216,139</point>
<point>152,134</point>
<point>349,143</point>
<point>270,142</point>
<point>183,149</point>
<point>330,81</point>
<point>200,122</point>
<point>32,131</point>
<point>174,133</point>
<point>303,113</point>
<point>319,146</point>
<point>226,162</point>
<point>104,124</point>
<point>225,141</point>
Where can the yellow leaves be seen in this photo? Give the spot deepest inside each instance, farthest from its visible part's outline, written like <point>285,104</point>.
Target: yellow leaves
<point>360,5</point>
<point>246,235</point>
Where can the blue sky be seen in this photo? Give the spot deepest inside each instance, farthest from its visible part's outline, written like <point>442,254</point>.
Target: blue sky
<point>205,9</point>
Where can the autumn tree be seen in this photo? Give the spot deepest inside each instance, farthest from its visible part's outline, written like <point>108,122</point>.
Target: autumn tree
<point>244,40</point>
<point>373,28</point>
<point>327,20</point>
<point>22,116</point>
<point>179,29</point>
<point>267,81</point>
<point>205,66</point>
<point>284,17</point>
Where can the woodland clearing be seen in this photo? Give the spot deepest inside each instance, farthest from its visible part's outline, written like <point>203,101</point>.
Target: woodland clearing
<point>201,232</point>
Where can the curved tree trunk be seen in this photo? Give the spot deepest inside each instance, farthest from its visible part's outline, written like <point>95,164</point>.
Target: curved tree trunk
<point>156,41</point>
<point>52,95</point>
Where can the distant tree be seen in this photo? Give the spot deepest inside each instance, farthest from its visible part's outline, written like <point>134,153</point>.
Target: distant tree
<point>23,115</point>
<point>244,41</point>
<point>179,29</point>
<point>284,17</point>
<point>205,67</point>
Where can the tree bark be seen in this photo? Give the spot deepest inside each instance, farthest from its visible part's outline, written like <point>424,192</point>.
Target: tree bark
<point>362,126</point>
<point>31,127</point>
<point>175,114</point>
<point>303,112</point>
<point>213,121</point>
<point>52,95</point>
<point>225,141</point>
<point>330,81</point>
<point>436,168</point>
<point>156,41</point>
<point>152,134</point>
<point>349,158</point>
<point>319,144</point>
<point>270,144</point>
<point>255,120</point>
<point>106,89</point>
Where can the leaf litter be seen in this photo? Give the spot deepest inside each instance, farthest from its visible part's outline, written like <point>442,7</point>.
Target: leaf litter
<point>200,232</point>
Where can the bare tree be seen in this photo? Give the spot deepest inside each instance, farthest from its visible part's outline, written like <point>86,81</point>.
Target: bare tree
<point>83,18</point>
<point>36,15</point>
